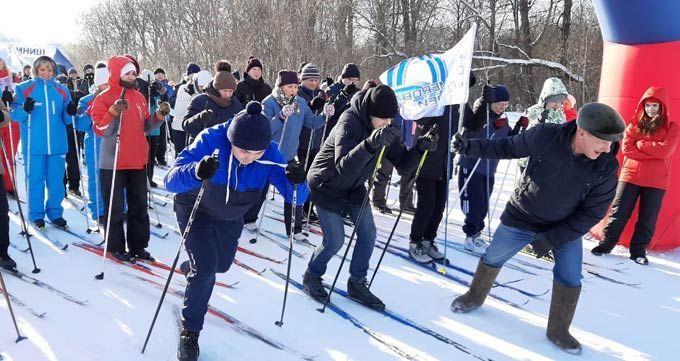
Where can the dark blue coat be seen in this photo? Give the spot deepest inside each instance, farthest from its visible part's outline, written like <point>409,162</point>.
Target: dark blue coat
<point>192,125</point>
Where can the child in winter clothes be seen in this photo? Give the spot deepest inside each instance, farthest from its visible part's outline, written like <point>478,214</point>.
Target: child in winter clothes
<point>6,261</point>
<point>247,161</point>
<point>10,133</point>
<point>183,96</point>
<point>336,180</point>
<point>122,110</point>
<point>44,109</point>
<point>216,105</point>
<point>648,143</point>
<point>92,143</point>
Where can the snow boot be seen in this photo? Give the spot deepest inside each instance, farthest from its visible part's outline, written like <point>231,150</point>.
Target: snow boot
<point>418,252</point>
<point>60,223</point>
<point>188,349</point>
<point>8,263</point>
<point>142,254</point>
<point>479,289</point>
<point>121,256</point>
<point>476,244</point>
<point>358,290</point>
<point>251,227</point>
<point>602,248</point>
<point>76,193</point>
<point>562,309</point>
<point>641,260</point>
<point>39,224</point>
<point>314,287</point>
<point>433,251</point>
<point>384,209</point>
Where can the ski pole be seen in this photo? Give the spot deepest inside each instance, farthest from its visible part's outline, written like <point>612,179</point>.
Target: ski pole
<point>24,225</point>
<point>354,230</point>
<point>307,165</point>
<point>488,177</point>
<point>97,193</point>
<point>185,234</point>
<point>150,199</point>
<point>111,193</point>
<point>11,311</point>
<point>12,152</point>
<point>449,165</point>
<point>401,211</point>
<point>84,197</point>
<point>290,255</point>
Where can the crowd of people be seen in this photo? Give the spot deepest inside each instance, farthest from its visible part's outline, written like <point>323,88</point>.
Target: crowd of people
<point>318,141</point>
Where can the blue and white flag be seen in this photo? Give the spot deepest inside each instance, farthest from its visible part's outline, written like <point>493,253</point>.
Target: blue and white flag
<point>427,83</point>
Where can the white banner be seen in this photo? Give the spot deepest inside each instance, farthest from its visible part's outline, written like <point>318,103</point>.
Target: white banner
<point>427,83</point>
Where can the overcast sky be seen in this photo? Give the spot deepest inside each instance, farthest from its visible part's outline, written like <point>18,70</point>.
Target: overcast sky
<point>43,21</point>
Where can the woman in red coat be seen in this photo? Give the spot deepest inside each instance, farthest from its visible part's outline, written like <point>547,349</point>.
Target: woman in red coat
<point>648,144</point>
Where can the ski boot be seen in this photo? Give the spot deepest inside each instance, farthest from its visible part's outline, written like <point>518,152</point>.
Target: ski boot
<point>188,349</point>
<point>358,290</point>
<point>313,286</point>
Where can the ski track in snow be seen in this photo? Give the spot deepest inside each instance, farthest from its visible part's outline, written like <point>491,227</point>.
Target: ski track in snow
<point>612,322</point>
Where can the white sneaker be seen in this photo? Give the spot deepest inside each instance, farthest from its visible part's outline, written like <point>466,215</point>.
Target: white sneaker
<point>476,244</point>
<point>251,227</point>
<point>418,252</point>
<point>433,251</point>
<point>300,238</point>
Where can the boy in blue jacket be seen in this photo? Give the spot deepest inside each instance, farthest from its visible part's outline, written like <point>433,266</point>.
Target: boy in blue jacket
<point>247,161</point>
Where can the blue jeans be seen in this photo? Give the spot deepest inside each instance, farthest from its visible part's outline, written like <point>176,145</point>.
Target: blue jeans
<point>334,238</point>
<point>507,241</point>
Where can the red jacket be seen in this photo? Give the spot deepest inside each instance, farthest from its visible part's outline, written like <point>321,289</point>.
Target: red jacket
<point>646,161</point>
<point>134,149</point>
<point>570,114</point>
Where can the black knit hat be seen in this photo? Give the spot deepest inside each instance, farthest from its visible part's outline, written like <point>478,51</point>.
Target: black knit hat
<point>350,70</point>
<point>382,102</point>
<point>253,62</point>
<point>159,70</point>
<point>250,129</point>
<point>87,66</point>
<point>192,68</point>
<point>602,121</point>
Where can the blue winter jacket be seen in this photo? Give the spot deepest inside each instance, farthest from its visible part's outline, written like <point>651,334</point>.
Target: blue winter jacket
<point>48,119</point>
<point>478,127</point>
<point>293,125</point>
<point>92,145</point>
<point>246,183</point>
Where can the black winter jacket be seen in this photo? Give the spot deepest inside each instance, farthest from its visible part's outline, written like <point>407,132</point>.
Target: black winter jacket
<point>250,89</point>
<point>344,163</point>
<point>561,194</point>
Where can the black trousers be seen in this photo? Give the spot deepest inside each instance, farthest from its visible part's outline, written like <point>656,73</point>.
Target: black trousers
<point>162,145</point>
<point>4,221</point>
<point>179,139</point>
<point>131,184</point>
<point>153,145</point>
<point>380,185</point>
<point>627,194</point>
<point>302,157</point>
<point>72,176</point>
<point>429,210</point>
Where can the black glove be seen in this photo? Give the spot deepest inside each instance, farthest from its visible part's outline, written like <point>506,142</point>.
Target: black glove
<point>541,245</point>
<point>72,108</point>
<point>29,104</point>
<point>459,144</point>
<point>207,167</point>
<point>7,97</point>
<point>488,94</point>
<point>295,172</point>
<point>317,103</point>
<point>205,116</point>
<point>329,81</point>
<point>157,89</point>
<point>190,89</point>
<point>428,141</point>
<point>350,89</point>
<point>382,137</point>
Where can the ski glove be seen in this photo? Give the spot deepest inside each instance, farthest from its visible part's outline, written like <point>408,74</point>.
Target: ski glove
<point>295,172</point>
<point>72,109</point>
<point>459,144</point>
<point>500,123</point>
<point>317,103</point>
<point>7,97</point>
<point>164,109</point>
<point>190,89</point>
<point>541,245</point>
<point>118,107</point>
<point>350,89</point>
<point>207,167</point>
<point>328,110</point>
<point>205,116</point>
<point>523,121</point>
<point>428,141</point>
<point>488,94</point>
<point>287,110</point>
<point>382,137</point>
<point>29,104</point>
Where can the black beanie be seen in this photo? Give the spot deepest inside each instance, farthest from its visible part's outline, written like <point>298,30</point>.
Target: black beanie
<point>158,70</point>
<point>350,70</point>
<point>382,102</point>
<point>253,62</point>
<point>250,129</point>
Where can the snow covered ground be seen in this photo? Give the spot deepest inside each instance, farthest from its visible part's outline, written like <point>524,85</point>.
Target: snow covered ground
<point>626,311</point>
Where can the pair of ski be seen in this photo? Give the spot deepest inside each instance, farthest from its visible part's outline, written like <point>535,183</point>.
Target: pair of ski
<point>32,229</point>
<point>387,342</point>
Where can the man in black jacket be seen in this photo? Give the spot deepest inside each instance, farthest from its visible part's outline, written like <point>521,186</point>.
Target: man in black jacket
<point>567,188</point>
<point>336,180</point>
<point>252,86</point>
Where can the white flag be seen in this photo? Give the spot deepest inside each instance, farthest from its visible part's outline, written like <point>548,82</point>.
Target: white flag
<point>427,83</point>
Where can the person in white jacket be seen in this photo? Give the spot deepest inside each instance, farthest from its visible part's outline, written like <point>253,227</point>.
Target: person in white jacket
<point>185,93</point>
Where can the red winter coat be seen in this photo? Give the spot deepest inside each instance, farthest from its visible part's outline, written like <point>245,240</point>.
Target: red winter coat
<point>646,161</point>
<point>134,149</point>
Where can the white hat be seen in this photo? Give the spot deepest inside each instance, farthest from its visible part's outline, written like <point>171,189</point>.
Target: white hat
<point>147,75</point>
<point>202,78</point>
<point>101,76</point>
<point>572,100</point>
<point>127,68</point>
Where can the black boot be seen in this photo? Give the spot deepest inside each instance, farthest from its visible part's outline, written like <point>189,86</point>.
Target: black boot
<point>359,291</point>
<point>39,224</point>
<point>562,309</point>
<point>479,289</point>
<point>60,222</point>
<point>142,254</point>
<point>314,287</point>
<point>603,248</point>
<point>188,349</point>
<point>8,263</point>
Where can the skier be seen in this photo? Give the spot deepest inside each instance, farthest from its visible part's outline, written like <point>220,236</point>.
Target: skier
<point>27,73</point>
<point>92,143</point>
<point>252,87</point>
<point>10,133</point>
<point>336,180</point>
<point>183,96</point>
<point>6,261</point>
<point>164,90</point>
<point>124,157</point>
<point>648,145</point>
<point>154,94</point>
<point>44,109</point>
<point>247,161</point>
<point>569,184</point>
<point>72,176</point>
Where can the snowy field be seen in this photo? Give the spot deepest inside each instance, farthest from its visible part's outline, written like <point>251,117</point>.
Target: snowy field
<point>626,311</point>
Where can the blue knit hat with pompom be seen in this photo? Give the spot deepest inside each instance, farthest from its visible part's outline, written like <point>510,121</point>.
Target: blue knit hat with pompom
<point>250,129</point>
